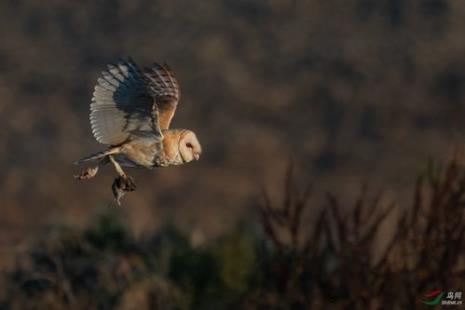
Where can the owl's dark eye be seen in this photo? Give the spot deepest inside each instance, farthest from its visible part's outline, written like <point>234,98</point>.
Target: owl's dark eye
<point>189,145</point>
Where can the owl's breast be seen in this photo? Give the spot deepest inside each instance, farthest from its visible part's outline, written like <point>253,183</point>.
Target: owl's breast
<point>141,152</point>
<point>163,159</point>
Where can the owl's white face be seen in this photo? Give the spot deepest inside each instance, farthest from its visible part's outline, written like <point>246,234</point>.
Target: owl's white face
<point>189,146</point>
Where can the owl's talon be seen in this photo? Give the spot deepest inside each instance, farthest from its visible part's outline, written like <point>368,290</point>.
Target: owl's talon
<point>122,185</point>
<point>129,184</point>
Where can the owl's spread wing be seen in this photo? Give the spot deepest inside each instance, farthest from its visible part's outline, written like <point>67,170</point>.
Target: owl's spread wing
<point>123,105</point>
<point>165,89</point>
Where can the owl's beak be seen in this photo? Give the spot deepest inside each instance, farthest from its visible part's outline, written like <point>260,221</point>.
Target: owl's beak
<point>196,156</point>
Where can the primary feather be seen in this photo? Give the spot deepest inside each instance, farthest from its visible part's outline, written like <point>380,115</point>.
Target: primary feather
<point>123,105</point>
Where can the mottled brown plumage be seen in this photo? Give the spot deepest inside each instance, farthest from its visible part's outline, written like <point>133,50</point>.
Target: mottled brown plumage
<point>131,111</point>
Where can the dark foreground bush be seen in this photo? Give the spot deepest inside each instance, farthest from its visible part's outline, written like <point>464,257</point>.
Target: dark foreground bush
<point>363,255</point>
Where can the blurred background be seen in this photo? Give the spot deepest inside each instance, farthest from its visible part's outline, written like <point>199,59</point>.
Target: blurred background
<point>353,91</point>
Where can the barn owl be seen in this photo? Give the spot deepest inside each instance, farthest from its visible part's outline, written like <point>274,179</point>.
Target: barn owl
<point>131,111</point>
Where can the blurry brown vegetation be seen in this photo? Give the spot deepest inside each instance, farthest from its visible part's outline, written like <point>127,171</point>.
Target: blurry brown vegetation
<point>291,263</point>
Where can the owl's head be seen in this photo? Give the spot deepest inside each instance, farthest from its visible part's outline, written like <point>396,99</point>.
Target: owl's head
<point>189,146</point>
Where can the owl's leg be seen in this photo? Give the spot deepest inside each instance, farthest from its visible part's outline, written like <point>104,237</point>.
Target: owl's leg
<point>91,171</point>
<point>123,183</point>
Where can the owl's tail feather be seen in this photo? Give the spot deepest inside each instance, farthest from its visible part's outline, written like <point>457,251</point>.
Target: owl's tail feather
<point>96,156</point>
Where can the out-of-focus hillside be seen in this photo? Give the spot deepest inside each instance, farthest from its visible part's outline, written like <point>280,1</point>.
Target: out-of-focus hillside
<point>275,261</point>
<point>355,90</point>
